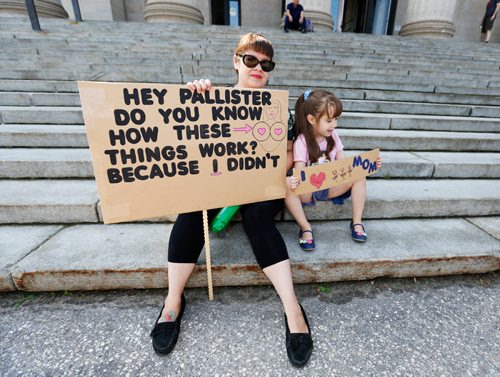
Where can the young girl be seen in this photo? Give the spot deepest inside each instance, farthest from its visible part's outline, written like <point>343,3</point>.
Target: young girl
<point>317,141</point>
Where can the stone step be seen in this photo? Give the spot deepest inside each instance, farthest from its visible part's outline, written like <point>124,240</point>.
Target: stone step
<point>224,35</point>
<point>48,201</point>
<point>51,51</point>
<point>439,50</point>
<point>39,99</point>
<point>469,91</point>
<point>148,55</point>
<point>41,115</point>
<point>44,86</point>
<point>418,62</point>
<point>350,89</point>
<point>221,33</point>
<point>38,258</point>
<point>174,76</point>
<point>26,114</point>
<point>75,201</point>
<point>45,163</point>
<point>418,122</point>
<point>177,72</point>
<point>120,28</point>
<point>395,198</point>
<point>455,87</point>
<point>420,140</point>
<point>37,135</point>
<point>76,163</point>
<point>354,73</point>
<point>17,99</point>
<point>365,63</point>
<point>13,84</point>
<point>372,106</point>
<point>32,135</point>
<point>406,96</point>
<point>98,55</point>
<point>205,50</point>
<point>94,55</point>
<point>351,80</point>
<point>88,41</point>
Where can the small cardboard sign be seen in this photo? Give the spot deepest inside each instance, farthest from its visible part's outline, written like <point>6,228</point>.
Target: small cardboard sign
<point>165,149</point>
<point>330,174</point>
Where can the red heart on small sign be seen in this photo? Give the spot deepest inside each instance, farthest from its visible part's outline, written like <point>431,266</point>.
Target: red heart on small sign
<point>317,179</point>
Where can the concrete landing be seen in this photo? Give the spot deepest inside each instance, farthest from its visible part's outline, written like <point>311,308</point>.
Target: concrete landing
<point>100,257</point>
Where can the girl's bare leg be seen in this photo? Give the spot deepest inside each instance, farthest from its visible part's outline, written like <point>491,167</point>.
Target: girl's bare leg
<point>358,194</point>
<point>294,205</point>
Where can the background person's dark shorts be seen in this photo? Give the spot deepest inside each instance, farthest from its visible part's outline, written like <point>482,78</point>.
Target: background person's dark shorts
<point>487,24</point>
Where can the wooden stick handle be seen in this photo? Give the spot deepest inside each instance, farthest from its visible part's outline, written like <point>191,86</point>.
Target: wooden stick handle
<point>207,256</point>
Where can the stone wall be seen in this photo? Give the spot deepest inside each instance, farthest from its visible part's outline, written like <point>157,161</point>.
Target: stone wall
<point>269,14</point>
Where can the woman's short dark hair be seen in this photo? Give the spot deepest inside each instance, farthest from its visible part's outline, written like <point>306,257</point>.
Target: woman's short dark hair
<point>256,42</point>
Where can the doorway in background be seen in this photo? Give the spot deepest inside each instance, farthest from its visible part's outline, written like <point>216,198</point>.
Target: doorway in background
<point>369,16</point>
<point>226,12</point>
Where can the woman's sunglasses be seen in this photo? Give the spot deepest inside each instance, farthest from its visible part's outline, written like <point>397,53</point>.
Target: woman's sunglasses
<point>251,62</point>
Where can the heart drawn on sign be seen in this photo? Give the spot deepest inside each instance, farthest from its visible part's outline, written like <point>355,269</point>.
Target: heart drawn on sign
<point>317,179</point>
<point>278,131</point>
<point>261,130</point>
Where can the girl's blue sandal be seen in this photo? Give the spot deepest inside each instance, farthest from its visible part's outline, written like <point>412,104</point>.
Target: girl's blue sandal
<point>306,245</point>
<point>356,235</point>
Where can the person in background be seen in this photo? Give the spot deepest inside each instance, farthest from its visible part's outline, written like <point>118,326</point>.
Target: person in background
<point>294,18</point>
<point>492,8</point>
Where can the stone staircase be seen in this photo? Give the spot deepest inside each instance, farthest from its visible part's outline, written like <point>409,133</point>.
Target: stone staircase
<point>432,107</point>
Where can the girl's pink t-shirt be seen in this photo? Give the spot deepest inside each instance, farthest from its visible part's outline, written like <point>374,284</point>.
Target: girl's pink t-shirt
<point>300,148</point>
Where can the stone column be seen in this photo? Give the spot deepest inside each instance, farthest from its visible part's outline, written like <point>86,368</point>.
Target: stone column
<point>173,11</point>
<point>319,12</point>
<point>429,18</point>
<point>44,8</point>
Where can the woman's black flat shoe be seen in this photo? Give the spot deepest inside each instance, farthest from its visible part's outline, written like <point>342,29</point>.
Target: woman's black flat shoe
<point>165,334</point>
<point>299,346</point>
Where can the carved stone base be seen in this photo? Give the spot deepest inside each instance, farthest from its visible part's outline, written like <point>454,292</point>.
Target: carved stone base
<point>44,8</point>
<point>431,29</point>
<point>172,11</point>
<point>321,20</point>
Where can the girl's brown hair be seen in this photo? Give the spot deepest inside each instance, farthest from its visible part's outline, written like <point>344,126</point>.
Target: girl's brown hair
<point>317,104</point>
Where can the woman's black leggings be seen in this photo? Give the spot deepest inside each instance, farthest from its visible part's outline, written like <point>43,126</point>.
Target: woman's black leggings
<point>186,239</point>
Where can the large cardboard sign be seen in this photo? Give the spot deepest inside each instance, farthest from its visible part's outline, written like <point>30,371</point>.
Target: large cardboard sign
<point>330,174</point>
<point>165,149</point>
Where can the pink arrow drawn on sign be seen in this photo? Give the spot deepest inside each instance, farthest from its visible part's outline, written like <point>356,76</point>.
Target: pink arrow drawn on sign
<point>247,128</point>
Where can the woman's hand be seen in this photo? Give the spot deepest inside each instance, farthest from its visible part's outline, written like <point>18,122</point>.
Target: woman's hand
<point>379,162</point>
<point>200,86</point>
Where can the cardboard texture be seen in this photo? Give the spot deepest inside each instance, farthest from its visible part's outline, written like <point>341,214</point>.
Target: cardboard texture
<point>164,149</point>
<point>330,174</point>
